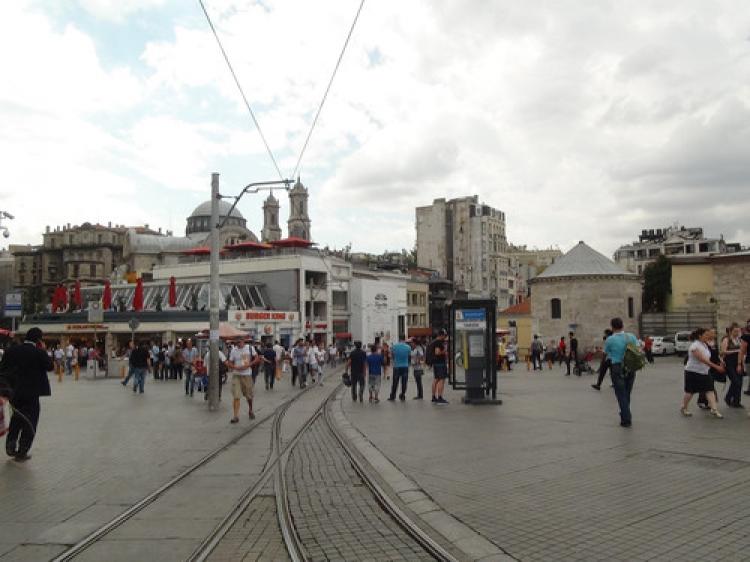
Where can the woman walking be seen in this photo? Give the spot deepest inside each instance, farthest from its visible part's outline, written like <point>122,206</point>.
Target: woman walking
<point>697,372</point>
<point>731,346</point>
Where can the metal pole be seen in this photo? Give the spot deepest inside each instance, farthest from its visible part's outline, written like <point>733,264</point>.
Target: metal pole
<point>214,297</point>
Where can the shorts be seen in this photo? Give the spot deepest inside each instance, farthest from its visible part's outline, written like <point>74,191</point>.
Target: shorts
<point>697,382</point>
<point>440,371</point>
<point>373,382</point>
<point>242,385</point>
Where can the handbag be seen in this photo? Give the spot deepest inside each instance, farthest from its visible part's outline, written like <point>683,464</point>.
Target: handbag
<point>346,379</point>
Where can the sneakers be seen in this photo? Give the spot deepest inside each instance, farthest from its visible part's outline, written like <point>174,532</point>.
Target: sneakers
<point>685,412</point>
<point>234,420</point>
<point>441,401</point>
<point>391,399</point>
<point>402,398</point>
<point>716,413</point>
<point>434,400</point>
<point>417,398</point>
<point>596,387</point>
<point>21,457</point>
<point>251,415</point>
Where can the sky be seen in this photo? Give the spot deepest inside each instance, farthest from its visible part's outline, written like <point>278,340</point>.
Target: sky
<point>581,121</point>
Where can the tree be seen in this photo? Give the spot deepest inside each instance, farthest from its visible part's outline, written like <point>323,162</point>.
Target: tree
<point>657,285</point>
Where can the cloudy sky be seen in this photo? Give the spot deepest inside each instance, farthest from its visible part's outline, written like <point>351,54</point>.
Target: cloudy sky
<point>581,120</point>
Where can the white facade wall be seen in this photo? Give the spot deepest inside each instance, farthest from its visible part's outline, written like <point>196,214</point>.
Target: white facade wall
<point>377,304</point>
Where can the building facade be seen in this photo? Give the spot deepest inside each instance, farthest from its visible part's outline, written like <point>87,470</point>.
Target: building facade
<point>673,241</point>
<point>581,292</point>
<point>731,280</point>
<point>418,308</point>
<point>378,305</point>
<point>464,241</point>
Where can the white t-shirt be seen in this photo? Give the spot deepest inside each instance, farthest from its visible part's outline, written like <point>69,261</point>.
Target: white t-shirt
<point>59,354</point>
<point>69,351</point>
<point>240,355</point>
<point>279,351</point>
<point>312,356</point>
<point>692,363</point>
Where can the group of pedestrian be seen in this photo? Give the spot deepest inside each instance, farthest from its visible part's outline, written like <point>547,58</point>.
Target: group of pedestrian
<point>560,351</point>
<point>68,359</point>
<point>372,364</point>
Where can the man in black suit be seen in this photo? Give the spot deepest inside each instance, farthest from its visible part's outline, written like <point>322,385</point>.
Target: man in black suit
<point>28,363</point>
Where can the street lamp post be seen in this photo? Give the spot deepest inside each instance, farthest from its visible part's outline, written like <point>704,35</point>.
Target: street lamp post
<point>214,292</point>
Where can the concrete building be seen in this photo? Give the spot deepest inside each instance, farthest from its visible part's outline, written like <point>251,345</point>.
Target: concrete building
<point>518,321</point>
<point>464,241</point>
<point>673,241</point>
<point>418,308</point>
<point>692,284</point>
<point>731,280</point>
<point>529,263</point>
<point>378,305</point>
<point>581,292</point>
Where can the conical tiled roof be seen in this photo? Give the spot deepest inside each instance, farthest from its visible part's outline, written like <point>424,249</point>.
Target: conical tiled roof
<point>583,260</point>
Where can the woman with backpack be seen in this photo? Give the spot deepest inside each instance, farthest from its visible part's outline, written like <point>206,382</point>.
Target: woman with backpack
<point>698,372</point>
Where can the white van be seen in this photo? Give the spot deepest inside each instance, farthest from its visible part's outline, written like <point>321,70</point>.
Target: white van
<point>681,342</point>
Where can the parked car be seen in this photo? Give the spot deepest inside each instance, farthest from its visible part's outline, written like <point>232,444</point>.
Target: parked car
<point>663,345</point>
<point>681,342</point>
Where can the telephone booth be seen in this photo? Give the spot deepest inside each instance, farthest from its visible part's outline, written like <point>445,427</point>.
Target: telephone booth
<point>473,349</point>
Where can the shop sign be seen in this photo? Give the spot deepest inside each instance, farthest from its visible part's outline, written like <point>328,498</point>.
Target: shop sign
<point>84,327</point>
<point>272,316</point>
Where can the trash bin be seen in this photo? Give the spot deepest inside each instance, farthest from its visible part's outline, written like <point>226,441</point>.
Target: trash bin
<point>92,369</point>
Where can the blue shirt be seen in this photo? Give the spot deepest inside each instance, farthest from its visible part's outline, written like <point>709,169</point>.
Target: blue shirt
<point>401,354</point>
<point>375,364</point>
<point>615,346</point>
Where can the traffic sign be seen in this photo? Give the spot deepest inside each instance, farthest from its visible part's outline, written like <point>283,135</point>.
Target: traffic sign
<point>96,314</point>
<point>14,304</point>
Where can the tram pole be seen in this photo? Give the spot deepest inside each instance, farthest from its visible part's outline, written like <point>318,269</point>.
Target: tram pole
<point>214,298</point>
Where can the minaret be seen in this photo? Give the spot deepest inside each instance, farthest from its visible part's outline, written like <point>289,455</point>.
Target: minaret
<point>298,223</point>
<point>271,229</point>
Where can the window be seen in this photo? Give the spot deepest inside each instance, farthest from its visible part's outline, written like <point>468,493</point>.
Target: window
<point>98,238</point>
<point>92,270</point>
<point>556,308</point>
<point>631,307</point>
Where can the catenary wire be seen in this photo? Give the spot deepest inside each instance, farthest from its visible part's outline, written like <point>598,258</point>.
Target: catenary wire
<point>328,88</point>
<point>239,87</point>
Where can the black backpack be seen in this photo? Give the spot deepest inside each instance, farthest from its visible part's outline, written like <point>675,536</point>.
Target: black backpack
<point>429,356</point>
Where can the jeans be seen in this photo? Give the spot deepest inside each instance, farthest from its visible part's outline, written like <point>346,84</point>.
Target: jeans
<point>269,373</point>
<point>139,378</point>
<point>734,392</point>
<point>623,383</point>
<point>189,382</point>
<point>68,365</point>
<point>418,381</point>
<point>536,358</point>
<point>358,380</point>
<point>399,374</point>
<point>302,374</point>
<point>128,377</point>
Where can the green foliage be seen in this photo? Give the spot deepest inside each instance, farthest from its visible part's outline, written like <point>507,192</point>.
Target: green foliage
<point>657,285</point>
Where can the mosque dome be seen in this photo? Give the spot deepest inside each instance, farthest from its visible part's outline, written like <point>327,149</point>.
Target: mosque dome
<point>199,220</point>
<point>204,210</point>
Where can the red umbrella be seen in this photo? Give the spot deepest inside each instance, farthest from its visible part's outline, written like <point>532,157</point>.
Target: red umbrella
<point>107,296</point>
<point>172,292</point>
<point>63,298</point>
<point>77,300</point>
<point>55,301</point>
<point>138,296</point>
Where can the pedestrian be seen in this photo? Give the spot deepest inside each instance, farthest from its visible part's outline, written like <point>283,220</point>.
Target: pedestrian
<point>375,362</point>
<point>623,381</point>
<point>59,356</point>
<point>257,360</point>
<point>29,363</point>
<point>69,351</point>
<point>561,347</point>
<point>731,355</point>
<point>321,364</point>
<point>140,360</point>
<point>312,359</point>
<point>241,359</point>
<point>385,351</point>
<point>745,337</point>
<point>159,363</point>
<point>573,354</point>
<point>357,366</point>
<point>439,368</point>
<point>129,355</point>
<point>417,365</point>
<point>715,375</point>
<point>74,365</point>
<point>269,365</point>
<point>697,372</point>
<point>190,355</point>
<point>223,369</point>
<point>279,351</point>
<point>537,349</point>
<point>605,364</point>
<point>169,360</point>
<point>298,362</point>
<point>178,360</point>
<point>550,352</point>
<point>502,355</point>
<point>648,347</point>
<point>401,353</point>
<point>332,352</point>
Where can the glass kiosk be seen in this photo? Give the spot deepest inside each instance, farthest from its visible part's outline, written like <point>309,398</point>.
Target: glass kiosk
<point>473,350</point>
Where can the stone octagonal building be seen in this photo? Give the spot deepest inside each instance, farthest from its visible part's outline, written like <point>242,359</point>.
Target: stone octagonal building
<point>581,292</point>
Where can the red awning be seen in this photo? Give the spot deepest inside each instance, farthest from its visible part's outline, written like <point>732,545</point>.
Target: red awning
<point>292,242</point>
<point>248,245</point>
<point>199,251</point>
<point>343,336</point>
<point>6,333</point>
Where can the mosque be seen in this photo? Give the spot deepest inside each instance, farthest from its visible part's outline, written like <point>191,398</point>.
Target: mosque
<point>142,251</point>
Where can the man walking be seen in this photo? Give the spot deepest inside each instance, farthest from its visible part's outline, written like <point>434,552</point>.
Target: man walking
<point>140,361</point>
<point>241,359</point>
<point>357,366</point>
<point>29,363</point>
<point>537,348</point>
<point>417,365</point>
<point>605,365</point>
<point>298,362</point>
<point>439,369</point>
<point>269,366</point>
<point>129,353</point>
<point>401,355</point>
<point>615,347</point>
<point>573,355</point>
<point>189,355</point>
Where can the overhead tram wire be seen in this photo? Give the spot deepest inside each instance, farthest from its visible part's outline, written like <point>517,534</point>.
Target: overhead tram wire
<point>239,87</point>
<point>328,88</point>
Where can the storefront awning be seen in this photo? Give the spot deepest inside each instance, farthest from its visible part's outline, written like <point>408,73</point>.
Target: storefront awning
<point>343,336</point>
<point>419,332</point>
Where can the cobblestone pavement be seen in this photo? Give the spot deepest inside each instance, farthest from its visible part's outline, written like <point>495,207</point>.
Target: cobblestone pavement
<point>100,448</point>
<point>550,475</point>
<point>335,515</point>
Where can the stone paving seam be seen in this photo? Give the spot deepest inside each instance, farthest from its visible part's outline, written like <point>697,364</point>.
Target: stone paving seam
<point>446,525</point>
